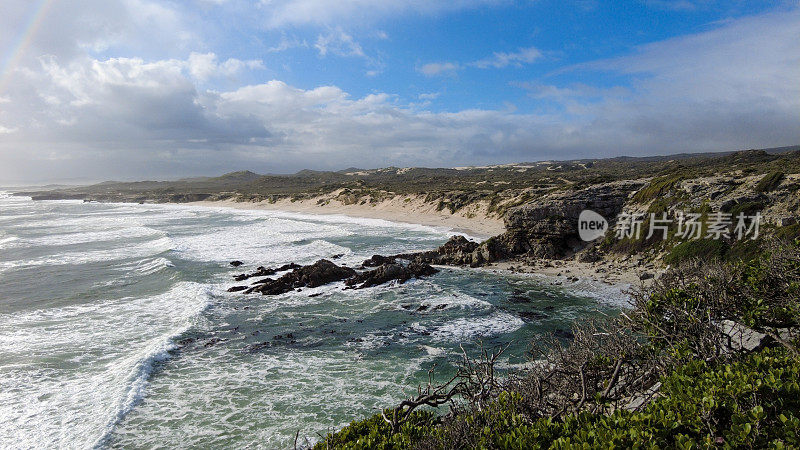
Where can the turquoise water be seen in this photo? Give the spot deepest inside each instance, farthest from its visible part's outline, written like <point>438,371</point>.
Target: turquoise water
<point>116,329</point>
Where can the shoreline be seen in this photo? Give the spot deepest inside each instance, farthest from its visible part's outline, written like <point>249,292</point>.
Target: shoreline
<point>410,210</point>
<point>615,273</point>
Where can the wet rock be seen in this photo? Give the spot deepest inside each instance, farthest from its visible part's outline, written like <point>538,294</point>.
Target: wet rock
<point>564,334</point>
<point>314,275</point>
<point>237,288</point>
<point>186,341</point>
<point>212,342</point>
<point>378,260</point>
<point>257,347</point>
<point>389,272</point>
<point>458,251</point>
<point>337,256</point>
<point>530,316</point>
<point>519,299</point>
<point>236,263</point>
<point>262,271</point>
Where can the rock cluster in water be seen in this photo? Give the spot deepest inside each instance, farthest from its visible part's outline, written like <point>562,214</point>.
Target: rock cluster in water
<point>325,272</point>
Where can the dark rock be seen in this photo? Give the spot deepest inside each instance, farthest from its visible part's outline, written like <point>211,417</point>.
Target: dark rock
<point>564,334</point>
<point>378,260</point>
<point>186,341</point>
<point>237,288</point>
<point>422,308</point>
<point>532,315</point>
<point>314,275</point>
<point>645,276</point>
<point>337,256</point>
<point>548,227</point>
<point>456,251</point>
<point>257,347</point>
<point>236,263</point>
<point>316,294</point>
<point>589,255</point>
<point>212,342</point>
<point>389,272</point>
<point>519,299</point>
<point>262,271</point>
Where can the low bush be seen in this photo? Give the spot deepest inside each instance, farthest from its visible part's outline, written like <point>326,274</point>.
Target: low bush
<point>657,188</point>
<point>770,181</point>
<point>664,374</point>
<point>751,403</point>
<point>705,249</point>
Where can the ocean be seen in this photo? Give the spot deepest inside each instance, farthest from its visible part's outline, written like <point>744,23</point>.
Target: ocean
<point>117,330</point>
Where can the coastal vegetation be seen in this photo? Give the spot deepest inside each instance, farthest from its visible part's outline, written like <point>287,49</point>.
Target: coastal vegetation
<point>707,357</point>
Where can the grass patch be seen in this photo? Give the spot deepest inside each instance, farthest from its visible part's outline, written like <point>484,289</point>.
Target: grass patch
<point>770,181</point>
<point>703,249</point>
<point>658,187</point>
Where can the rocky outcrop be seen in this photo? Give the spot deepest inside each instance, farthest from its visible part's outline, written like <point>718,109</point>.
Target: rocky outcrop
<point>265,272</point>
<point>548,227</point>
<point>378,260</point>
<point>543,228</point>
<point>314,275</point>
<point>456,251</point>
<point>324,272</point>
<point>390,272</point>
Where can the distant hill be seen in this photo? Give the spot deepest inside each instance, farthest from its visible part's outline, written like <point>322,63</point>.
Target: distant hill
<point>453,187</point>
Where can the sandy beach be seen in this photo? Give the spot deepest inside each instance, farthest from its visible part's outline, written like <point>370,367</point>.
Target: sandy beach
<point>472,221</point>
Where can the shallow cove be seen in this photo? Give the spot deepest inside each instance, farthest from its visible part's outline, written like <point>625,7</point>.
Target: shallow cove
<point>116,328</point>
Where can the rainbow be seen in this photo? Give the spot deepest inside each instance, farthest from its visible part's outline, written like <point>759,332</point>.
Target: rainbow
<point>23,41</point>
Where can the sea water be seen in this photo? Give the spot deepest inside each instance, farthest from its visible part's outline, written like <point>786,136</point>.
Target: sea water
<point>117,330</point>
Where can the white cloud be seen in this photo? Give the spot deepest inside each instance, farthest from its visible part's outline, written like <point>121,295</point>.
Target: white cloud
<point>429,96</point>
<point>203,66</point>
<point>731,87</point>
<point>287,43</point>
<point>439,68</point>
<point>501,59</point>
<point>338,43</point>
<point>498,60</point>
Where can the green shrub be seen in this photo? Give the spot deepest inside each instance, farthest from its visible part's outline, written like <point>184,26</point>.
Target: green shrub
<point>704,249</point>
<point>375,433</point>
<point>748,208</point>
<point>657,188</point>
<point>770,182</point>
<point>790,232</point>
<point>752,403</point>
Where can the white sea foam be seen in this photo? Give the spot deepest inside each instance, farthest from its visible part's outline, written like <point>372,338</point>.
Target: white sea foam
<point>96,236</point>
<point>8,241</point>
<point>142,250</point>
<point>107,352</point>
<point>266,241</point>
<point>148,267</point>
<point>469,328</point>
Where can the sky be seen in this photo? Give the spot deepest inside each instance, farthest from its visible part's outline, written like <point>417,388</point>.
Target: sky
<point>94,90</point>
